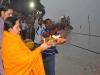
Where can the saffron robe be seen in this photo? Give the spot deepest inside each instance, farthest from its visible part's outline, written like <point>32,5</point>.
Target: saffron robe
<point>18,59</point>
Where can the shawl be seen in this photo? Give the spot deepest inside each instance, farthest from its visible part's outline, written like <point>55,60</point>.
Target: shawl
<point>18,59</point>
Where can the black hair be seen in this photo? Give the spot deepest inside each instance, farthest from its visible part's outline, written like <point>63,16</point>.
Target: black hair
<point>40,19</point>
<point>4,8</point>
<point>45,22</point>
<point>10,22</point>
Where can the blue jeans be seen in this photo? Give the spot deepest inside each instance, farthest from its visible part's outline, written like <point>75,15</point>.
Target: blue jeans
<point>49,65</point>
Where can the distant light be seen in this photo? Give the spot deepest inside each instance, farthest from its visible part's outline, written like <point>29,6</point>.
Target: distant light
<point>32,5</point>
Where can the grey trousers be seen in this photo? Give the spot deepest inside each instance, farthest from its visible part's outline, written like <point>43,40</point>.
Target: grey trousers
<point>1,66</point>
<point>49,65</point>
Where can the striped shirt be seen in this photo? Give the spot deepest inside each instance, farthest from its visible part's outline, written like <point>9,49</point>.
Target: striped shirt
<point>50,51</point>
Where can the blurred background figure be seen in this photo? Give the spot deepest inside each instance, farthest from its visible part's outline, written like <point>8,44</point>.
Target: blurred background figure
<point>38,31</point>
<point>5,12</point>
<point>23,28</point>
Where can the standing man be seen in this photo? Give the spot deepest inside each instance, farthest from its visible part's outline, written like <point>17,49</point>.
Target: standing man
<point>49,54</point>
<point>38,31</point>
<point>23,28</point>
<point>5,12</point>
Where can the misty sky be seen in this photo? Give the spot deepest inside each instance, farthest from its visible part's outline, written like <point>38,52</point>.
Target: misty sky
<point>78,10</point>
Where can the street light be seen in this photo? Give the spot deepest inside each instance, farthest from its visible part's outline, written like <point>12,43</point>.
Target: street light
<point>31,5</point>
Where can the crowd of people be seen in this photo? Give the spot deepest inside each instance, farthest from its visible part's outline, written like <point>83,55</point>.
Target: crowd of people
<point>15,57</point>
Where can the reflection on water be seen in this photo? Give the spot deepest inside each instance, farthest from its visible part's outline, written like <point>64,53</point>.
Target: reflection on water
<point>73,60</point>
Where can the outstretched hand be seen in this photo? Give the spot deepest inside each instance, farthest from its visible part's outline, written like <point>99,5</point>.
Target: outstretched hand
<point>60,40</point>
<point>45,45</point>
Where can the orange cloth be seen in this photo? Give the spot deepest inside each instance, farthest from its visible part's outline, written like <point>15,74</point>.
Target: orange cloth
<point>18,59</point>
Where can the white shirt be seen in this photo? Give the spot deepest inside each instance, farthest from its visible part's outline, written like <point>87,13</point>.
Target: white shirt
<point>38,34</point>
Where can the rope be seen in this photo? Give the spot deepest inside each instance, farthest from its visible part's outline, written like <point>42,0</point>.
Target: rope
<point>86,34</point>
<point>84,48</point>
